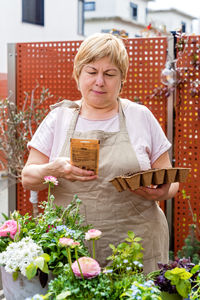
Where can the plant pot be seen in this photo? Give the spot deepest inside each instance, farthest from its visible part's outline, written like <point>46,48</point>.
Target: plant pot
<point>167,296</point>
<point>22,287</point>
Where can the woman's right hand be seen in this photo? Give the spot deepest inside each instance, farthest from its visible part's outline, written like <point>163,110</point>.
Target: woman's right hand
<point>64,169</point>
<point>38,166</point>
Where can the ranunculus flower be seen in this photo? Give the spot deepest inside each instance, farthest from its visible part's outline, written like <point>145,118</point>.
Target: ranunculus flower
<point>51,179</point>
<point>89,267</point>
<point>9,228</point>
<point>75,244</point>
<point>93,234</point>
<point>65,242</point>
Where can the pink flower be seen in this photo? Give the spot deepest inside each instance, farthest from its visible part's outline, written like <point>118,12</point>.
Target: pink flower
<point>9,228</point>
<point>65,242</point>
<point>51,179</point>
<point>89,267</point>
<point>75,244</point>
<point>93,234</point>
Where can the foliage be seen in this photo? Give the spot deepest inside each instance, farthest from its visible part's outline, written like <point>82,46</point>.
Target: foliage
<point>59,235</point>
<point>126,256</point>
<point>45,230</point>
<point>195,293</point>
<point>66,285</point>
<point>191,248</point>
<point>143,290</point>
<point>17,126</point>
<point>111,283</point>
<point>18,255</point>
<point>179,277</point>
<point>175,277</point>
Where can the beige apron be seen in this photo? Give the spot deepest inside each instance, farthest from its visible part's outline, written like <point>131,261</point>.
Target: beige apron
<point>104,207</point>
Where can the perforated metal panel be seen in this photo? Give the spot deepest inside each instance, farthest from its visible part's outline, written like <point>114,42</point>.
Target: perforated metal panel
<point>187,140</point>
<point>51,64</point>
<point>147,59</point>
<point>3,85</point>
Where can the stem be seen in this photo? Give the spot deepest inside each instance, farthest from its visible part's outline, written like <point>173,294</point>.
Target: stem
<point>70,260</point>
<point>77,209</point>
<point>76,255</point>
<point>63,214</point>
<point>93,246</point>
<point>49,191</point>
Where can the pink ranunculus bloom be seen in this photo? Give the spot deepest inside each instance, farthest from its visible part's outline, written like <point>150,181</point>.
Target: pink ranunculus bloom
<point>75,244</point>
<point>51,179</point>
<point>89,267</point>
<point>65,242</point>
<point>9,228</point>
<point>93,234</point>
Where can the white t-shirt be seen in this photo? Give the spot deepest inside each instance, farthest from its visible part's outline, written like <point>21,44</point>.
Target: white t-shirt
<point>146,135</point>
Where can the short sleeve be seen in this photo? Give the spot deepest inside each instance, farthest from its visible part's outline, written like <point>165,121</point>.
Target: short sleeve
<point>42,140</point>
<point>146,135</point>
<point>159,141</point>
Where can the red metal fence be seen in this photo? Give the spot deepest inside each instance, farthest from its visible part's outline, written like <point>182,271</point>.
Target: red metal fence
<point>50,65</point>
<point>187,136</point>
<point>3,85</point>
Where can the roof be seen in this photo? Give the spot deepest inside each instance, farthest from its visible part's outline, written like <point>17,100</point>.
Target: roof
<point>172,10</point>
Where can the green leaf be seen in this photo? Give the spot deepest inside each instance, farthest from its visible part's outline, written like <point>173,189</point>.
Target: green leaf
<point>31,271</point>
<point>137,239</point>
<point>15,275</point>
<point>63,295</point>
<point>184,288</point>
<point>122,246</point>
<point>112,247</point>
<point>131,234</point>
<point>195,269</point>
<point>39,262</point>
<point>129,240</point>
<point>45,268</point>
<point>46,257</point>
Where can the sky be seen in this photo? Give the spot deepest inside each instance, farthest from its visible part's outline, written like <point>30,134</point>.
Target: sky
<point>191,7</point>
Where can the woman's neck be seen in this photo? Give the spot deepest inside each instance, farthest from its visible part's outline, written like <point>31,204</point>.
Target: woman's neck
<point>95,113</point>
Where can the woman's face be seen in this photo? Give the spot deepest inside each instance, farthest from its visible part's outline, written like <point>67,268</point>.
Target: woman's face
<point>100,83</point>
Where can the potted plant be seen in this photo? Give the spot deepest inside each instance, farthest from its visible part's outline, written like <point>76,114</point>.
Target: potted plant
<point>122,279</point>
<point>175,279</point>
<point>31,248</point>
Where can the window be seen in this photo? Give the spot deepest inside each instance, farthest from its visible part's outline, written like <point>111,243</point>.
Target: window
<point>183,26</point>
<point>134,10</point>
<point>106,30</point>
<point>33,12</point>
<point>89,6</point>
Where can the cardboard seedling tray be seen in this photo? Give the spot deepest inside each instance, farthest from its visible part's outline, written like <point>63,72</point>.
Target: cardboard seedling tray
<point>150,177</point>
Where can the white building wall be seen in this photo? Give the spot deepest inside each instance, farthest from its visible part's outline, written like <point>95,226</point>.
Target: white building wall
<point>60,23</point>
<point>98,20</point>
<point>112,8</point>
<point>96,26</point>
<point>171,20</point>
<point>104,8</point>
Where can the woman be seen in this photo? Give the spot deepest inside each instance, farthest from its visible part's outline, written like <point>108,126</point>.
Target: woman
<point>131,140</point>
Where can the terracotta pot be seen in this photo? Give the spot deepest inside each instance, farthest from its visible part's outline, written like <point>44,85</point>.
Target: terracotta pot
<point>22,287</point>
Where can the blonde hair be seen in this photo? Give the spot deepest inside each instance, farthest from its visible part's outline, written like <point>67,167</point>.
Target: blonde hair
<point>99,46</point>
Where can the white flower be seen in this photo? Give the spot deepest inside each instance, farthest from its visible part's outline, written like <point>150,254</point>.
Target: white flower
<point>19,255</point>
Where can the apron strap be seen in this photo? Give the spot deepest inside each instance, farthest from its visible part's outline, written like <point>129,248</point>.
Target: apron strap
<point>72,125</point>
<point>122,122</point>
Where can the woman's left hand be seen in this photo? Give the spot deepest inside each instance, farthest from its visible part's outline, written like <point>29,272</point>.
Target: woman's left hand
<point>158,193</point>
<point>163,191</point>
